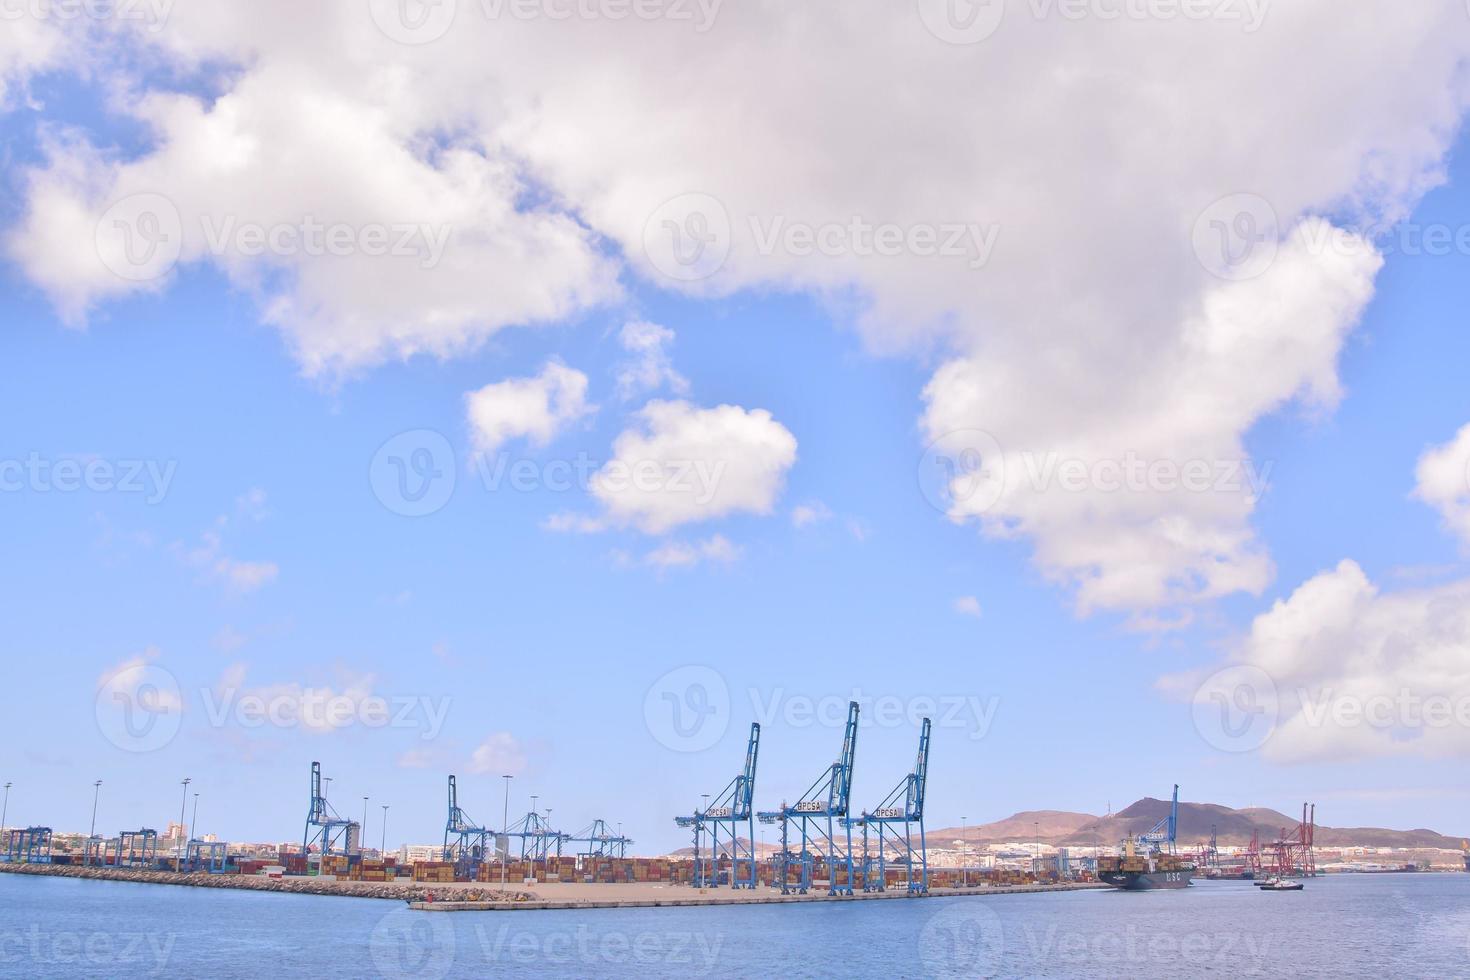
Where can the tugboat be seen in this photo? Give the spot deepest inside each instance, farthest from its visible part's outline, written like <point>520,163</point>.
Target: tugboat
<point>1280,885</point>
<point>1148,861</point>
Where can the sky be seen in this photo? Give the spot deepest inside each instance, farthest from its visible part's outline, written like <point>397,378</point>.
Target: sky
<point>458,388</point>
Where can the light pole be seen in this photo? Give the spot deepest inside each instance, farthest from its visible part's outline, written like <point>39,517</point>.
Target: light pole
<point>383,844</point>
<point>92,834</point>
<point>194,819</point>
<point>179,860</point>
<point>505,829</point>
<point>964,846</point>
<point>5,808</point>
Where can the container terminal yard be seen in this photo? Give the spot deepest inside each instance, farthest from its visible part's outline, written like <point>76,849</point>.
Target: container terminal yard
<point>826,851</point>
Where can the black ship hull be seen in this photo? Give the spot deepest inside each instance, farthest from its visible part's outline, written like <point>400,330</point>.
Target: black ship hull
<point>1138,881</point>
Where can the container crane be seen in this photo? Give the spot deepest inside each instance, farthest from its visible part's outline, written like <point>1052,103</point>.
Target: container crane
<point>731,808</point>
<point>330,832</point>
<point>893,820</point>
<point>817,815</point>
<point>465,842</point>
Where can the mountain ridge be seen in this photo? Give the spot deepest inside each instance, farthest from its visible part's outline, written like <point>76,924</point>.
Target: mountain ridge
<point>1233,827</point>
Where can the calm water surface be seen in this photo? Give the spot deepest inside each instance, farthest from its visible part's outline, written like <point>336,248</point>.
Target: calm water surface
<point>1350,926</point>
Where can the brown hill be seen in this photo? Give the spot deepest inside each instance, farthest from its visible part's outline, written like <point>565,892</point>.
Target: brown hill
<point>1026,825</point>
<point>1233,827</point>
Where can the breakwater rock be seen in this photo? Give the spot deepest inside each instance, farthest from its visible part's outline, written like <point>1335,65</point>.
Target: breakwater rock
<point>401,891</point>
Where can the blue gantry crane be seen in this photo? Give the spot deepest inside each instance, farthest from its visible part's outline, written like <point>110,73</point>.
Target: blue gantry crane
<point>731,809</point>
<point>538,840</point>
<point>893,820</point>
<point>1163,833</point>
<point>601,843</point>
<point>323,826</point>
<point>465,842</point>
<point>817,815</point>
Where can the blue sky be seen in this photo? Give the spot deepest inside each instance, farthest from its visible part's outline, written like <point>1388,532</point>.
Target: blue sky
<point>269,565</point>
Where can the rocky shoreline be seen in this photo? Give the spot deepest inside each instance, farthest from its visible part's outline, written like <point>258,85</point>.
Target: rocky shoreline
<point>399,891</point>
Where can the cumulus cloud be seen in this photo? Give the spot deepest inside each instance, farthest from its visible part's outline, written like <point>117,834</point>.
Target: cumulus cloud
<point>968,605</point>
<point>650,366</point>
<point>1443,482</point>
<point>425,250</point>
<point>536,408</point>
<point>501,754</point>
<point>1140,496</point>
<point>1350,671</point>
<point>682,464</point>
<point>1085,308</point>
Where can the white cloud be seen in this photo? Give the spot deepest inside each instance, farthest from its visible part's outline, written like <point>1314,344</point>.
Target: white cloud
<point>27,45</point>
<point>1091,314</point>
<point>685,464</point>
<point>500,754</point>
<point>1158,542</point>
<point>680,554</point>
<point>650,367</point>
<point>813,512</point>
<point>127,682</point>
<point>435,254</point>
<point>209,556</point>
<point>1443,482</point>
<point>238,575</point>
<point>968,605</point>
<point>1358,672</point>
<point>319,709</point>
<point>535,408</point>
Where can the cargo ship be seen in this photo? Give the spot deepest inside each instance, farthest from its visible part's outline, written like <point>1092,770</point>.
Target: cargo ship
<point>1148,861</point>
<point>1133,871</point>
